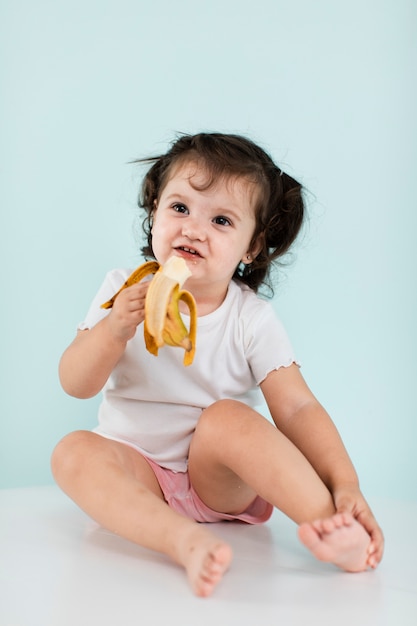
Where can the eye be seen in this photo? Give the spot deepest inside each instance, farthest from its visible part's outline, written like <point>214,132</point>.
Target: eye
<point>179,207</point>
<point>222,221</point>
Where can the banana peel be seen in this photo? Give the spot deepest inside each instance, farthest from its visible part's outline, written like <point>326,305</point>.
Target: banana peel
<point>151,267</point>
<point>163,323</point>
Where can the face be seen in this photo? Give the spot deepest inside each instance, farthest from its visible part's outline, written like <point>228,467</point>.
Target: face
<point>211,229</point>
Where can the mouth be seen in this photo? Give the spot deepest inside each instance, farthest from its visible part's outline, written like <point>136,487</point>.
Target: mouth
<point>188,252</point>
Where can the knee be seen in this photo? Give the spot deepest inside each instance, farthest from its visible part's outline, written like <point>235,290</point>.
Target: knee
<point>66,459</point>
<point>222,415</point>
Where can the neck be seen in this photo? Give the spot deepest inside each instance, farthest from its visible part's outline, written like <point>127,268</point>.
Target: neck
<point>207,300</point>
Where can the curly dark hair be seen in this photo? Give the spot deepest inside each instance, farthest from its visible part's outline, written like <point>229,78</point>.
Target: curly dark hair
<point>279,209</point>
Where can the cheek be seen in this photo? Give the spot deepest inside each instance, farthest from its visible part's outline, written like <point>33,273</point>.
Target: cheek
<point>162,236</point>
<point>158,227</point>
<point>233,253</point>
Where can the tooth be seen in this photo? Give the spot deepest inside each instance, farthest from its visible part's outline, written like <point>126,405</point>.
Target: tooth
<point>163,323</point>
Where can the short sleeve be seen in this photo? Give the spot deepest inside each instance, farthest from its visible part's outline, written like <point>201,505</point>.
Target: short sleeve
<point>111,284</point>
<point>268,345</point>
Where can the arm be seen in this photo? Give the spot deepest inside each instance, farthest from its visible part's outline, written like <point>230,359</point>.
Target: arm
<point>89,360</point>
<point>301,418</point>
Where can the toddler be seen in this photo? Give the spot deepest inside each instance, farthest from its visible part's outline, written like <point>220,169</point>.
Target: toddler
<point>176,445</point>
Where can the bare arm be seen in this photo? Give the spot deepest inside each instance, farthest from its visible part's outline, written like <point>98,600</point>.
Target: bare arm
<point>89,360</point>
<point>298,414</point>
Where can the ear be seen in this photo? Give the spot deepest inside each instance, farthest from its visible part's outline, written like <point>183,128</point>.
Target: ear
<point>253,252</point>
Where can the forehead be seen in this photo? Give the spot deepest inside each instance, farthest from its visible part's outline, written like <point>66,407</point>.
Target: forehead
<point>233,187</point>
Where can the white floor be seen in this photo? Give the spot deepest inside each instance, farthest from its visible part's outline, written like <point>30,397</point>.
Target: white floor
<point>57,568</point>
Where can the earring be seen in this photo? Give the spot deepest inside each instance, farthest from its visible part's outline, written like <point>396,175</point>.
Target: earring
<point>248,256</point>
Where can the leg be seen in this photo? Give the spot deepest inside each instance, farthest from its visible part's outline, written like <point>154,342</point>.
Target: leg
<point>237,454</point>
<point>116,486</point>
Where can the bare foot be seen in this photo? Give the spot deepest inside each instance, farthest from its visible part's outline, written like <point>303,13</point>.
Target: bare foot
<point>205,558</point>
<point>340,540</point>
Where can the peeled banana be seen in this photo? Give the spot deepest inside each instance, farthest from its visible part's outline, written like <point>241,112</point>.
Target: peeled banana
<point>163,323</point>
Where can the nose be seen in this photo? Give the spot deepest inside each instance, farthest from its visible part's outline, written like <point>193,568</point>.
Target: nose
<point>193,229</point>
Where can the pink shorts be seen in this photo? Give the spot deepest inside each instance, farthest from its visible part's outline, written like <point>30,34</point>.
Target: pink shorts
<point>180,495</point>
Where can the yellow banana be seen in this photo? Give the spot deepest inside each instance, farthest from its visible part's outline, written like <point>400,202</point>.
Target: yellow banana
<point>163,323</point>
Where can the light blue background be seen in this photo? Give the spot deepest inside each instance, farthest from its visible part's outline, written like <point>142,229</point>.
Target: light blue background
<point>327,87</point>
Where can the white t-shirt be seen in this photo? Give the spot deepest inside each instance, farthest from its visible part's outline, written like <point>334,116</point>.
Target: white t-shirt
<point>154,403</point>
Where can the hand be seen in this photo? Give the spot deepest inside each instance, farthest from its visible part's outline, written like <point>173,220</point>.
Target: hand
<point>128,311</point>
<point>350,499</point>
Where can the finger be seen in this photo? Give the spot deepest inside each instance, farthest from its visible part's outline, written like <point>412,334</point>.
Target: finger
<point>131,301</point>
<point>375,558</point>
<point>345,508</point>
<point>139,288</point>
<point>136,304</point>
<point>345,503</point>
<point>369,523</point>
<point>376,547</point>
